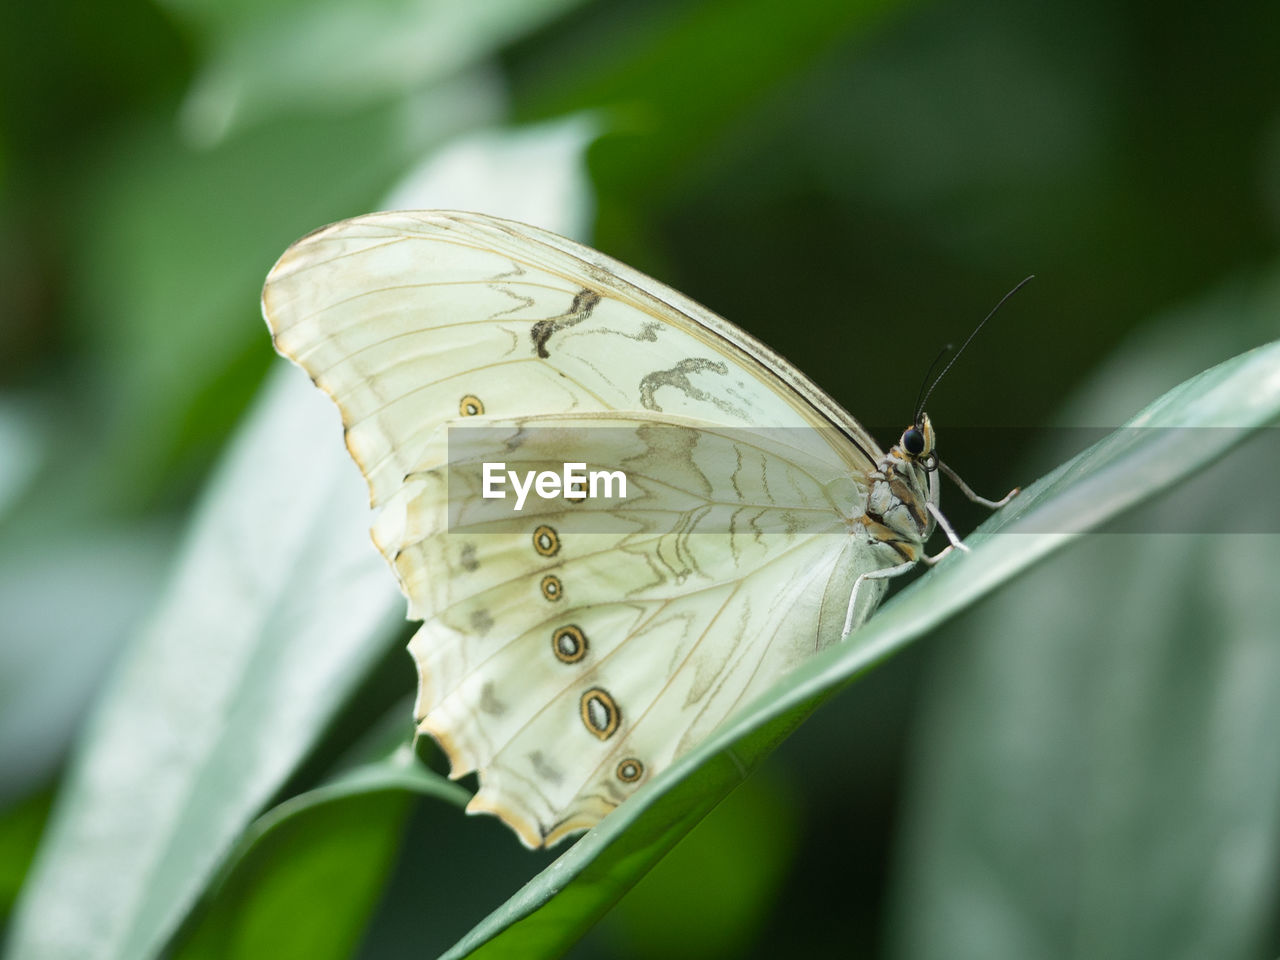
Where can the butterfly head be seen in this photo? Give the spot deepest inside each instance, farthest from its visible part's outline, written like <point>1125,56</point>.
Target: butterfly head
<point>917,444</point>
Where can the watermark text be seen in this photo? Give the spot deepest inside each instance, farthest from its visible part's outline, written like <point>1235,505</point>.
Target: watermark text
<point>574,482</point>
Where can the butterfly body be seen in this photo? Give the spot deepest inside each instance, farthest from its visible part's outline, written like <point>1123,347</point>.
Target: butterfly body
<point>573,649</point>
<point>901,488</point>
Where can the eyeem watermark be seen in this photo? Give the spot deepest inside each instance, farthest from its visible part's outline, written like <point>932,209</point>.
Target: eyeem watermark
<point>574,482</point>
<point>720,480</point>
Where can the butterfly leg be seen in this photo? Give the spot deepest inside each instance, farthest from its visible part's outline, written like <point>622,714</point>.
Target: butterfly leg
<point>883,574</point>
<point>968,492</point>
<point>945,526</point>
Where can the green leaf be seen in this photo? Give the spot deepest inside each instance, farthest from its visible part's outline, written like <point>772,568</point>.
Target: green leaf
<point>333,57</point>
<point>731,866</point>
<point>555,908</point>
<point>20,827</point>
<point>308,873</point>
<point>1096,772</point>
<point>22,448</point>
<point>277,607</point>
<point>51,661</point>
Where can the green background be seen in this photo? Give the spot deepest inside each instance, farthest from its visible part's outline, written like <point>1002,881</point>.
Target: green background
<point>1083,766</point>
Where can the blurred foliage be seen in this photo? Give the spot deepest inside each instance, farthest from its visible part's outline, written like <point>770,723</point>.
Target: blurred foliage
<point>855,184</point>
<point>713,873</point>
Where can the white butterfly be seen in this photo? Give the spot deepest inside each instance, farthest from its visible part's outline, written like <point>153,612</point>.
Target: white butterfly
<point>577,651</point>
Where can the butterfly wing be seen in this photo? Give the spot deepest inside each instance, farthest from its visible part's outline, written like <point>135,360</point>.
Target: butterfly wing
<point>569,657</point>
<point>409,319</point>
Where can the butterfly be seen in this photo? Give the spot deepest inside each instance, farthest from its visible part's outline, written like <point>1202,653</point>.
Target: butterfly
<point>572,649</point>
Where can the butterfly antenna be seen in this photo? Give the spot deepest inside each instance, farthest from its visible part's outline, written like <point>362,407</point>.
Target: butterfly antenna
<point>921,396</point>
<point>968,340</point>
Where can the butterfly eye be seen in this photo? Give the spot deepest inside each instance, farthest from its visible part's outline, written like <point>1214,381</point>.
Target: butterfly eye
<point>913,441</point>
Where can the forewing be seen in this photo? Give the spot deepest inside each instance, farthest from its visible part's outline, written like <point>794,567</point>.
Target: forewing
<point>409,319</point>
